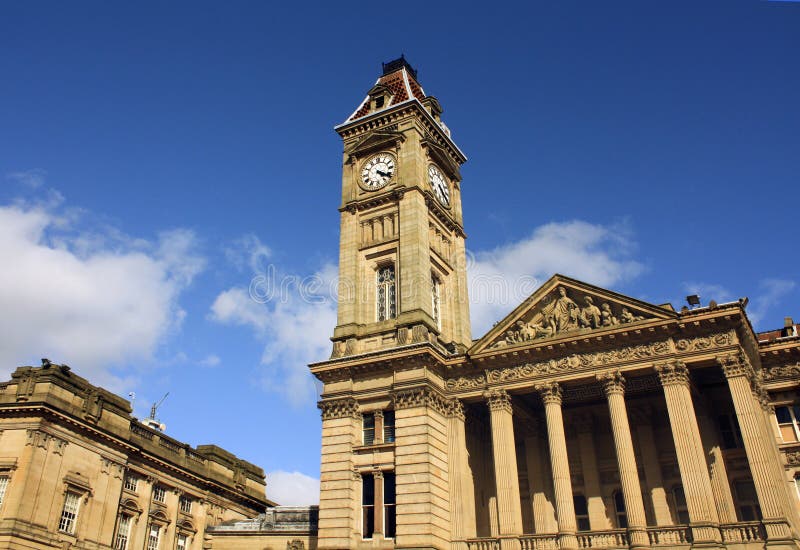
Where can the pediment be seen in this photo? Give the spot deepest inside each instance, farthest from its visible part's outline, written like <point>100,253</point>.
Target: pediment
<point>442,158</point>
<point>563,307</point>
<point>375,141</point>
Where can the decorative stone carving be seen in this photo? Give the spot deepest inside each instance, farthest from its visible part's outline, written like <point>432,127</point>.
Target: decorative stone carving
<point>550,392</point>
<point>498,400</point>
<point>457,409</point>
<point>92,405</point>
<point>421,397</point>
<point>793,458</point>
<point>735,364</point>
<point>466,382</point>
<point>295,544</point>
<point>674,372</point>
<point>613,382</point>
<point>338,408</point>
<point>702,343</point>
<point>559,313</point>
<point>777,372</point>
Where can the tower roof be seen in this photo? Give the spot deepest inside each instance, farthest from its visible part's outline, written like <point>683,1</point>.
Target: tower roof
<point>400,79</point>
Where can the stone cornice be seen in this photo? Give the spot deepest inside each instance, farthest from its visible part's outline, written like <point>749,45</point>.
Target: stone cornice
<point>338,408</point>
<point>422,397</point>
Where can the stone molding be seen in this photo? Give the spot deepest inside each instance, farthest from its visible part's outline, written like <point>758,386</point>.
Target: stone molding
<point>613,382</point>
<point>673,373</point>
<point>550,392</point>
<point>338,408</point>
<point>421,397</point>
<point>498,400</point>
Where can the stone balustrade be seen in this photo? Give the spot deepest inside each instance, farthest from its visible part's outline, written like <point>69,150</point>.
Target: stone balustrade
<point>669,535</point>
<point>750,531</point>
<point>539,542</point>
<point>617,538</point>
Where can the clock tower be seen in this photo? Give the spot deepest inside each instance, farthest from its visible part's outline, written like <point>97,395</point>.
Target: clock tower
<point>402,272</point>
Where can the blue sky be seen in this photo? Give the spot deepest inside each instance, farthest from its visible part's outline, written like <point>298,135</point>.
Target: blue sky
<point>155,157</point>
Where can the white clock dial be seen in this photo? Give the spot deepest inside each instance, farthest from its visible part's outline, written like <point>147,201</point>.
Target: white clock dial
<point>377,171</point>
<point>439,185</point>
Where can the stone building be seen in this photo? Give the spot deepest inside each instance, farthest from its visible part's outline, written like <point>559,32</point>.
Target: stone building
<point>77,470</point>
<point>584,419</point>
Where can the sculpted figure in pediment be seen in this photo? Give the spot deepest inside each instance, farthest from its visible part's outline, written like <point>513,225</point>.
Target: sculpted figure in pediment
<point>565,312</point>
<point>590,314</point>
<point>607,318</point>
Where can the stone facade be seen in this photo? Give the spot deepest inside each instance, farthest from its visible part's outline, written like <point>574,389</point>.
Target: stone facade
<point>77,470</point>
<point>585,418</point>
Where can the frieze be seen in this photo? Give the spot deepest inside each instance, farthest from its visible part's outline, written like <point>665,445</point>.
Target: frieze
<point>702,343</point>
<point>793,458</point>
<point>778,372</point>
<point>466,382</point>
<point>338,408</point>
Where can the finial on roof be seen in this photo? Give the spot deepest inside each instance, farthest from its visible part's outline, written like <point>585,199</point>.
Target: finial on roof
<point>397,64</point>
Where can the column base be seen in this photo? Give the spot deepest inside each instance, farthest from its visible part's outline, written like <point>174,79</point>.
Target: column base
<point>706,535</point>
<point>638,537</point>
<point>510,543</point>
<point>567,541</point>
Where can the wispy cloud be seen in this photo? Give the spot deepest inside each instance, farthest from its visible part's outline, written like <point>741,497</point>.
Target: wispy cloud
<point>32,179</point>
<point>292,488</point>
<point>771,292</point>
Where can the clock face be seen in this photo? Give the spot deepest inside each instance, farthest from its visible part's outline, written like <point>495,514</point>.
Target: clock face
<point>377,171</point>
<point>439,185</point>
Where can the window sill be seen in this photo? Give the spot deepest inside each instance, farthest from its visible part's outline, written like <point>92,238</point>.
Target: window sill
<point>374,447</point>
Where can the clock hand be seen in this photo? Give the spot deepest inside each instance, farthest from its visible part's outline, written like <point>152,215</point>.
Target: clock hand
<point>384,174</point>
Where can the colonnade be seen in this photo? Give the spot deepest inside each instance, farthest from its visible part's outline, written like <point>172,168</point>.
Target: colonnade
<point>707,492</point>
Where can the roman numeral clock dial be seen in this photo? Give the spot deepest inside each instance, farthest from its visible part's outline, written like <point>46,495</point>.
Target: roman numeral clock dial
<point>377,172</point>
<point>439,185</point>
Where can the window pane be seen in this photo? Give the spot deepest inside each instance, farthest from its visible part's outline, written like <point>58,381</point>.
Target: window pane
<point>783,415</point>
<point>391,522</point>
<point>70,513</point>
<point>581,509</point>
<point>388,426</point>
<point>367,489</point>
<point>388,488</point>
<point>680,497</point>
<point>3,488</point>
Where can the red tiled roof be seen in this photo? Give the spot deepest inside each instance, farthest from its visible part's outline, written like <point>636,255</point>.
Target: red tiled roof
<point>400,83</point>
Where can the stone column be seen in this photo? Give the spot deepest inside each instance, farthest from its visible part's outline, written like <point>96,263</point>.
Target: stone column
<point>544,519</point>
<point>696,482</point>
<point>762,461</point>
<point>378,426</point>
<point>377,477</point>
<point>614,388</point>
<point>598,519</point>
<point>462,495</point>
<point>506,474</point>
<point>562,484</point>
<point>652,466</point>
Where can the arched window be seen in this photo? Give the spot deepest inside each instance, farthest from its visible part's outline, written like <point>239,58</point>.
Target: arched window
<point>386,296</point>
<point>436,301</point>
<point>619,510</point>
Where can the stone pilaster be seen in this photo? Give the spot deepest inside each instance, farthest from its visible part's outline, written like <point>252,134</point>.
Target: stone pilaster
<point>562,483</point>
<point>651,465</point>
<point>505,468</point>
<point>763,467</point>
<point>462,489</point>
<point>614,388</point>
<point>696,482</point>
<point>598,519</point>
<point>377,476</point>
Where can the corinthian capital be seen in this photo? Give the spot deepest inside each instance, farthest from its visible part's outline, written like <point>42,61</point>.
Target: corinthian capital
<point>498,400</point>
<point>550,392</point>
<point>673,373</point>
<point>734,365</point>
<point>613,382</point>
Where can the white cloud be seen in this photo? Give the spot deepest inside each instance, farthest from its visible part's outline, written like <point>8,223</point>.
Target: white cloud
<point>93,299</point>
<point>501,278</point>
<point>292,488</point>
<point>210,361</point>
<point>294,316</point>
<point>771,291</point>
<point>33,178</point>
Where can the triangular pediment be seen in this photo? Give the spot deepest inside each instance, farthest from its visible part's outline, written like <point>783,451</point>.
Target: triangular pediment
<point>564,307</point>
<point>376,141</point>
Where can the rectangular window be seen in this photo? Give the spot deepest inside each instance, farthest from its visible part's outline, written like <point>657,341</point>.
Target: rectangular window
<point>367,506</point>
<point>182,542</point>
<point>681,510</point>
<point>729,431</point>
<point>386,298</point>
<point>153,536</point>
<point>747,501</point>
<point>581,512</point>
<point>131,483</point>
<point>787,422</point>
<point>69,514</point>
<point>389,512</point>
<point>159,494</point>
<point>368,431</point>
<point>619,509</point>
<point>186,505</point>
<point>3,488</point>
<point>388,426</point>
<point>379,101</point>
<point>123,531</point>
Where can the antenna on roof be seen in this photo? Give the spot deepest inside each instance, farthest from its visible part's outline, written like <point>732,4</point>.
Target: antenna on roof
<point>152,422</point>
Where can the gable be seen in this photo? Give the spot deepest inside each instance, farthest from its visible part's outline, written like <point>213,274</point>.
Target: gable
<point>564,307</point>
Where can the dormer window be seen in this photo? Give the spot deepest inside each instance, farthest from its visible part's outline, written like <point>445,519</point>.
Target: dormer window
<point>379,101</point>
